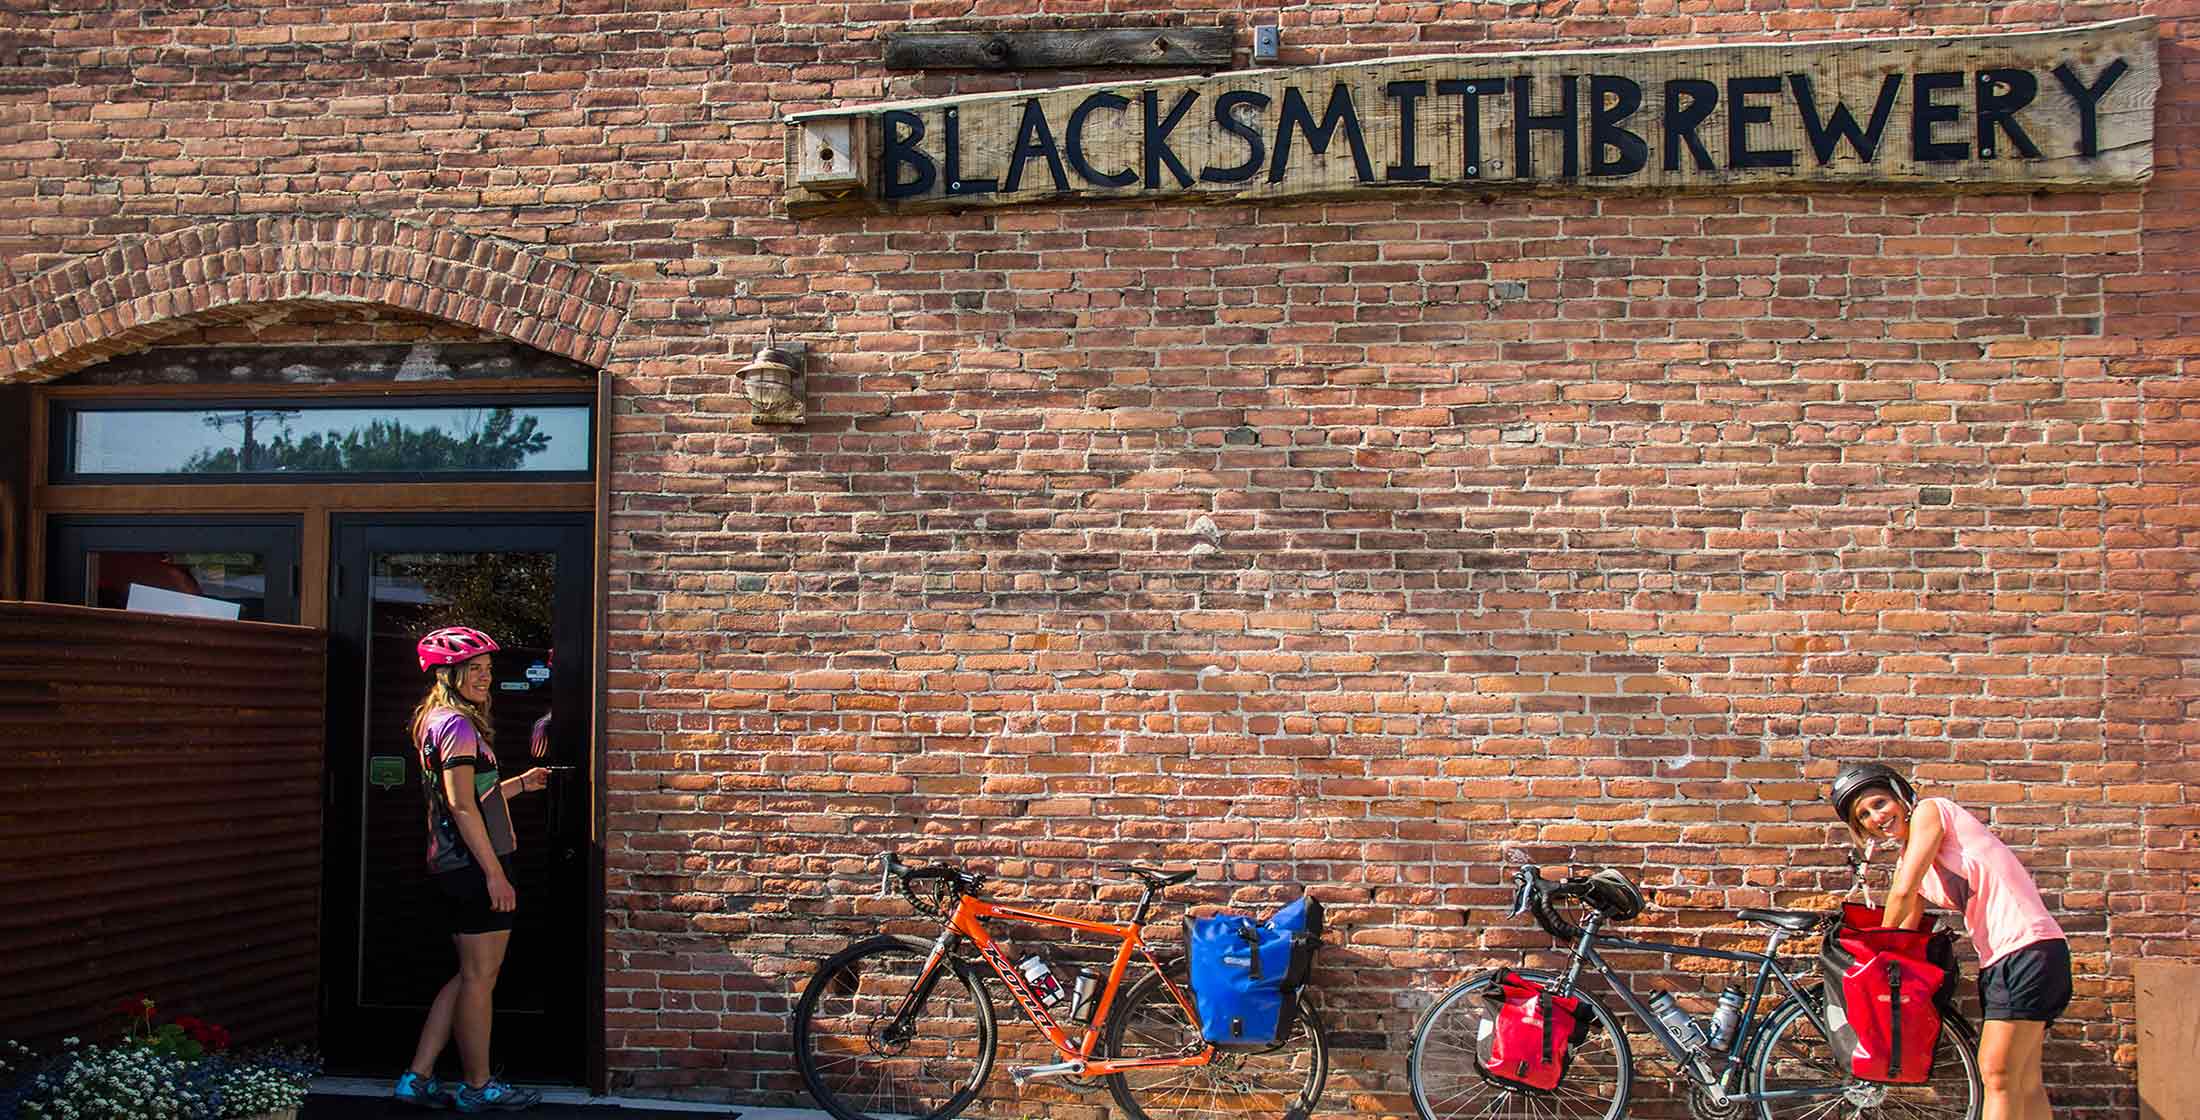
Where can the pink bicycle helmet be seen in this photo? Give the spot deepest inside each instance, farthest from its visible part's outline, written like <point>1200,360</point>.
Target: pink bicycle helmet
<point>453,644</point>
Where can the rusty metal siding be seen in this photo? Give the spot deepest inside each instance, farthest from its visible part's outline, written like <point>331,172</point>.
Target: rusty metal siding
<point>160,819</point>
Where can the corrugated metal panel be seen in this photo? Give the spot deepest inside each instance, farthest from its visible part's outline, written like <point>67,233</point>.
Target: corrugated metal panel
<point>160,819</point>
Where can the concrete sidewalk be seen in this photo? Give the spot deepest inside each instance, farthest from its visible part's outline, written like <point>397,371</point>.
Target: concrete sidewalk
<point>348,1098</point>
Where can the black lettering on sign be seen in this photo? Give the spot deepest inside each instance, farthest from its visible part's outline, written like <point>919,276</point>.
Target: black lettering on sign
<point>1926,112</point>
<point>1826,135</point>
<point>1157,138</point>
<point>1296,116</point>
<point>1074,139</point>
<point>903,129</point>
<point>1470,92</point>
<point>2001,95</point>
<point>1682,121</point>
<point>1256,145</point>
<point>956,184</point>
<point>1034,139</point>
<point>2088,99</point>
<point>1605,131</point>
<point>1407,169</point>
<point>1566,122</point>
<point>1740,114</point>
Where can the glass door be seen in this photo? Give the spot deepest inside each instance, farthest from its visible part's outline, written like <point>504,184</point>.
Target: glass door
<point>525,581</point>
<point>235,567</point>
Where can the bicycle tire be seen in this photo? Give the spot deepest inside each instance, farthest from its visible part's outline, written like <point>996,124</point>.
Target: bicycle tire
<point>1920,1102</point>
<point>1163,1026</point>
<point>896,961</point>
<point>1446,1084</point>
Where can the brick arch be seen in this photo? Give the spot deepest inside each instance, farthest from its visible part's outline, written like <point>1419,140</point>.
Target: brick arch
<point>122,299</point>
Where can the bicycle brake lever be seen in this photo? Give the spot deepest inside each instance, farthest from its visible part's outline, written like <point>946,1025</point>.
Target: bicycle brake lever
<point>888,868</point>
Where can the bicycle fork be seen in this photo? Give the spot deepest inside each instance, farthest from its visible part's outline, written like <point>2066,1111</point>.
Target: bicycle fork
<point>902,1027</point>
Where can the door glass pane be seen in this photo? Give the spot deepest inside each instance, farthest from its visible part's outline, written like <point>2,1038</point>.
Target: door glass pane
<point>283,440</point>
<point>405,950</point>
<point>231,577</point>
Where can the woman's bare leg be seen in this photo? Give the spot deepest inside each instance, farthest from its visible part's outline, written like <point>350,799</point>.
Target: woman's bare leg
<point>480,957</point>
<point>435,1034</point>
<point>2009,1065</point>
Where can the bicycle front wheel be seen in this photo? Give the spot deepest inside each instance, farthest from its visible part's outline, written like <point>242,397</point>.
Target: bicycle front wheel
<point>867,1051</point>
<point>1794,1056</point>
<point>1281,1081</point>
<point>1448,1083</point>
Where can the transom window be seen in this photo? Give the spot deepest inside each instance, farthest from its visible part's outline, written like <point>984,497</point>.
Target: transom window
<point>450,439</point>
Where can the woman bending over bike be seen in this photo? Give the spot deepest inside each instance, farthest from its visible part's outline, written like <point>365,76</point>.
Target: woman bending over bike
<point>1949,858</point>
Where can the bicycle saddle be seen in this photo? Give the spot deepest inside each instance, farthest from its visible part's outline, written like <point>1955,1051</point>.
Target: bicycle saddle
<point>1153,877</point>
<point>1801,921</point>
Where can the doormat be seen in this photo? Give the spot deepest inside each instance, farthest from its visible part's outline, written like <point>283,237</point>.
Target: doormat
<point>375,1108</point>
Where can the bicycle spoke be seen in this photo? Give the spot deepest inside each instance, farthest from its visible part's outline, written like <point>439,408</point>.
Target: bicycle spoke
<point>861,1060</point>
<point>1448,1082</point>
<point>1797,1056</point>
<point>1234,1085</point>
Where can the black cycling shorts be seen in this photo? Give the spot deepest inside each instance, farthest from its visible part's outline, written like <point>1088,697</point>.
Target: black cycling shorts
<point>2031,984</point>
<point>464,896</point>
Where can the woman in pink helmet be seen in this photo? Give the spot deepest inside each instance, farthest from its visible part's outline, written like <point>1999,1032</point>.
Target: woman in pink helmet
<point>469,836</point>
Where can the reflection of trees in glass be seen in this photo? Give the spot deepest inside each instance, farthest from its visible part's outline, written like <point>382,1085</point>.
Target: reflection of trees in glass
<point>507,594</point>
<point>502,443</point>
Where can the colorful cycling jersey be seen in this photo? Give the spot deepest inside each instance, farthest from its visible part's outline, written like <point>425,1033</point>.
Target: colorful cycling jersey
<point>448,741</point>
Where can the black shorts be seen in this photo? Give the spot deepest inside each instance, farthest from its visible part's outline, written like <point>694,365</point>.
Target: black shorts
<point>465,900</point>
<point>2032,983</point>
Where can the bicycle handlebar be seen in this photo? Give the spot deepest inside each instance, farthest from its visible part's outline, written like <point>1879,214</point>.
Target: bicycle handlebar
<point>954,883</point>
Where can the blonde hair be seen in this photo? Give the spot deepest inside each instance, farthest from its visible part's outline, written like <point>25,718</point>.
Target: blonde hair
<point>444,694</point>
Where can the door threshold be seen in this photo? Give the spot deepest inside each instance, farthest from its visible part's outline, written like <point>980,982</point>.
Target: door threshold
<point>568,1094</point>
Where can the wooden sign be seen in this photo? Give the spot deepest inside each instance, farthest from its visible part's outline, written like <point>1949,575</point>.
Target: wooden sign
<point>2072,107</point>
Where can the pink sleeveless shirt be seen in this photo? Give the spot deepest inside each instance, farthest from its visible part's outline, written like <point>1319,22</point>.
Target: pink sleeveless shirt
<point>1977,874</point>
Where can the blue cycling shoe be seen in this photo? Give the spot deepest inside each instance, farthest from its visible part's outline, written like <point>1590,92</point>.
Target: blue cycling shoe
<point>496,1096</point>
<point>421,1092</point>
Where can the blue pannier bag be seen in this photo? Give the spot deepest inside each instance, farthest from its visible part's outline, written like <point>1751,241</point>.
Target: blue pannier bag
<point>1246,974</point>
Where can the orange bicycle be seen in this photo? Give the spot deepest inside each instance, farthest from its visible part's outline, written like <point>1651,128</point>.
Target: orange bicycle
<point>895,1027</point>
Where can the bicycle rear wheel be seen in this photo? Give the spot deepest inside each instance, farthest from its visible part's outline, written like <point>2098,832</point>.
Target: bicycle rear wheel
<point>1281,1081</point>
<point>1793,1054</point>
<point>862,1063</point>
<point>1448,1084</point>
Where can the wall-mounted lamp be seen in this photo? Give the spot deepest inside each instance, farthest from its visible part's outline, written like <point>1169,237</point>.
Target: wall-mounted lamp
<point>772,381</point>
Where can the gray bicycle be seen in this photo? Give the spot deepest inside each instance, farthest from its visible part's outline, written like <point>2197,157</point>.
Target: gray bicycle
<point>1768,1056</point>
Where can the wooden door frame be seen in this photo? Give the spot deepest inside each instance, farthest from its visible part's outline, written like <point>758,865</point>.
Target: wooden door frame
<point>317,504</point>
<point>314,502</point>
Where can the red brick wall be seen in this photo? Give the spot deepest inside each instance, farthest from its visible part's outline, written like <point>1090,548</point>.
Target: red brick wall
<point>1342,543</point>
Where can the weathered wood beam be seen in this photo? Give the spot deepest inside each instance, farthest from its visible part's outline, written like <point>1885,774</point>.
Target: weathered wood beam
<point>1059,50</point>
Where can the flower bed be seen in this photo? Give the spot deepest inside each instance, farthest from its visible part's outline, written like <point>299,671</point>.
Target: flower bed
<point>181,1069</point>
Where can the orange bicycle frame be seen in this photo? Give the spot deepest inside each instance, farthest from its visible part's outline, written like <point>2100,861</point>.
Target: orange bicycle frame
<point>969,920</point>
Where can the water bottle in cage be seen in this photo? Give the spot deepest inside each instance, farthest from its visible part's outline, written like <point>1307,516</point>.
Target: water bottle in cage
<point>1041,978</point>
<point>1084,995</point>
<point>1726,1018</point>
<point>1678,1022</point>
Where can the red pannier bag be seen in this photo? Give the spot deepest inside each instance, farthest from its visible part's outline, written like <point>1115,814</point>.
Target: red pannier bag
<point>1882,996</point>
<point>1523,1044</point>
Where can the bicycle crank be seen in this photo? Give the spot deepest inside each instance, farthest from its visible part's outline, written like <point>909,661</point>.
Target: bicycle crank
<point>1702,1106</point>
<point>1023,1074</point>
